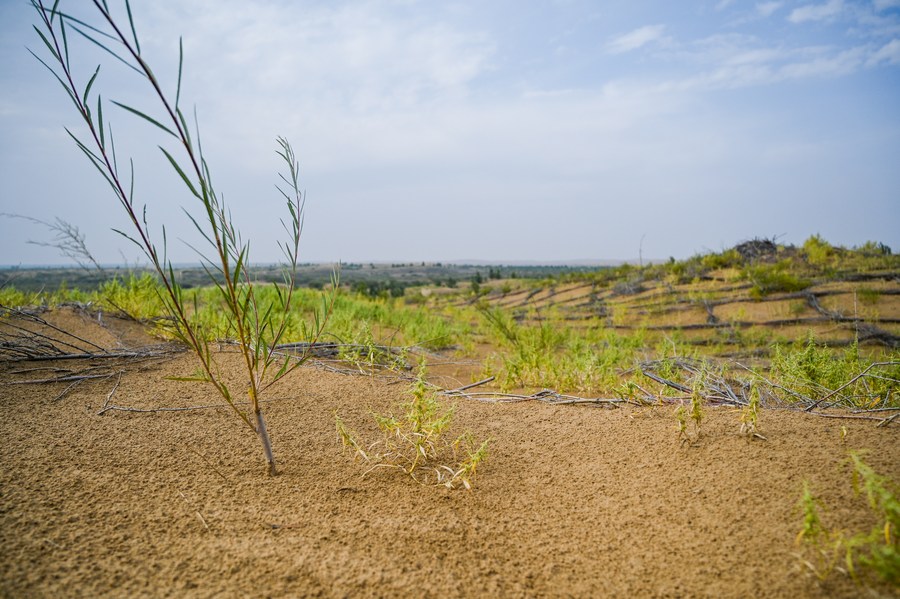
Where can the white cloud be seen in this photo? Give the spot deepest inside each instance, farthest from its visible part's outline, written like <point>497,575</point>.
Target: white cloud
<point>886,4</point>
<point>767,9</point>
<point>836,65</point>
<point>723,4</point>
<point>739,61</point>
<point>358,55</point>
<point>816,12</point>
<point>889,53</point>
<point>635,39</point>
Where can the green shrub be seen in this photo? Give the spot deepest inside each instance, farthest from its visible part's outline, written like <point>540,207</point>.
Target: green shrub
<point>818,252</point>
<point>727,259</point>
<point>773,278</point>
<point>812,372</point>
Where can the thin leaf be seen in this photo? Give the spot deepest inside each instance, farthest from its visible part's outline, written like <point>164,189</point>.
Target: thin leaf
<point>180,63</point>
<point>112,145</point>
<point>97,164</point>
<point>184,129</point>
<point>48,44</point>
<point>200,229</point>
<point>64,85</point>
<point>137,45</point>
<point>100,122</point>
<point>69,17</point>
<point>62,29</point>
<point>111,53</point>
<point>131,188</point>
<point>87,89</point>
<point>145,117</point>
<point>239,263</point>
<point>131,239</point>
<point>53,11</point>
<point>184,177</point>
<point>84,148</point>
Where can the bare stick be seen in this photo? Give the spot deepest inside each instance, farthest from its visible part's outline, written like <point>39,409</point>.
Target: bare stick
<point>846,417</point>
<point>47,324</point>
<point>887,421</point>
<point>62,379</point>
<point>460,389</point>
<point>67,389</point>
<point>92,356</point>
<point>154,410</point>
<point>110,394</point>
<point>665,382</point>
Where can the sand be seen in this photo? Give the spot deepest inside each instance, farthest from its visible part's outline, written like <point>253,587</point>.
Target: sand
<point>573,501</point>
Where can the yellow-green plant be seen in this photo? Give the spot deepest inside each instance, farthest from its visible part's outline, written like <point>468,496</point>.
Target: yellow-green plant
<point>824,545</point>
<point>256,325</point>
<point>697,402</point>
<point>689,419</point>
<point>415,443</point>
<point>875,551</point>
<point>750,416</point>
<point>879,549</point>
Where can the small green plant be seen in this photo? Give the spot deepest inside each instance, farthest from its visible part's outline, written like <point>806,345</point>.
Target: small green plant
<point>750,417</point>
<point>415,442</point>
<point>879,549</point>
<point>823,544</point>
<point>689,419</point>
<point>876,551</point>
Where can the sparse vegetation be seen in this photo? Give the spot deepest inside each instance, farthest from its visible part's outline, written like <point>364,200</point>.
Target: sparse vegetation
<point>859,553</point>
<point>415,442</point>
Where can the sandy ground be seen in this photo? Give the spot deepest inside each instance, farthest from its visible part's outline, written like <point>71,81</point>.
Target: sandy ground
<point>574,501</point>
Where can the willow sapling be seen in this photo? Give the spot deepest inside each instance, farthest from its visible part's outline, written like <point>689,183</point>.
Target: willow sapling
<point>258,325</point>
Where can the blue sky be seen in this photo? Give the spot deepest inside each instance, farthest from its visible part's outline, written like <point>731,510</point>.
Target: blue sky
<point>501,131</point>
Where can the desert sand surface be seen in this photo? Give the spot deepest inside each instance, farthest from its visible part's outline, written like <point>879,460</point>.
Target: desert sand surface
<point>573,501</point>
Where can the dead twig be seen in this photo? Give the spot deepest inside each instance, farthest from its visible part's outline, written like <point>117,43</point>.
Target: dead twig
<point>109,395</point>
<point>461,389</point>
<point>199,515</point>
<point>887,421</point>
<point>109,408</point>
<point>546,395</point>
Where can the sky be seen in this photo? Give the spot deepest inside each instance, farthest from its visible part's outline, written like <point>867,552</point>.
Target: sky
<point>501,131</point>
